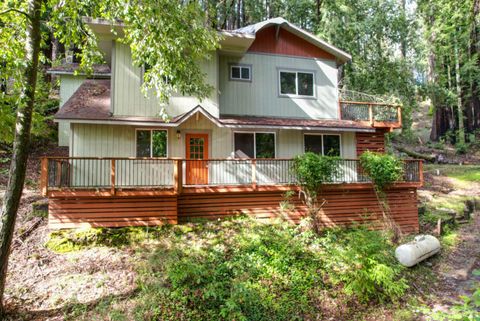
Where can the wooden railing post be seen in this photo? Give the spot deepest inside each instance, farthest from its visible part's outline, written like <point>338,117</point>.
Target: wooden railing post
<point>399,116</point>
<point>420,171</point>
<point>112,177</point>
<point>44,176</point>
<point>177,176</point>
<point>370,114</point>
<point>254,173</point>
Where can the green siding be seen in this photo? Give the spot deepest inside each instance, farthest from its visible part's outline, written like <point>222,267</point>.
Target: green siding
<point>128,99</point>
<point>260,97</point>
<point>68,86</point>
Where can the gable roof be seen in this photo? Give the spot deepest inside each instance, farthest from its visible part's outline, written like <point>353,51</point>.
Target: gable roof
<point>341,55</point>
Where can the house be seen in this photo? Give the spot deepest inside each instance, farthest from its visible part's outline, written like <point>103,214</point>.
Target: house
<point>275,96</point>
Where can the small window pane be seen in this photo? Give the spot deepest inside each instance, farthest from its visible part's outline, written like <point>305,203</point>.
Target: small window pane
<point>246,73</point>
<point>305,84</point>
<point>265,145</point>
<point>159,143</point>
<point>332,145</point>
<point>143,143</point>
<point>235,72</point>
<point>313,143</point>
<point>287,83</point>
<point>244,145</point>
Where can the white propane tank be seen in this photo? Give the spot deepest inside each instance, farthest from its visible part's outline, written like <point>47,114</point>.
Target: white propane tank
<point>422,247</point>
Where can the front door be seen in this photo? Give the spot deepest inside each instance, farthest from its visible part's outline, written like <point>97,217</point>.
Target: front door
<point>196,154</point>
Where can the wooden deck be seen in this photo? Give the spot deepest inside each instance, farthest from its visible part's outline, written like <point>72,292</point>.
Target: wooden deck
<point>115,206</point>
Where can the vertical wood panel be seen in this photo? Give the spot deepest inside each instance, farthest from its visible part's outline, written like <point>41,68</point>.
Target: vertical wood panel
<point>286,43</point>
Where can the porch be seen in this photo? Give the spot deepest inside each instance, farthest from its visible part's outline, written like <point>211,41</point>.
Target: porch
<point>85,191</point>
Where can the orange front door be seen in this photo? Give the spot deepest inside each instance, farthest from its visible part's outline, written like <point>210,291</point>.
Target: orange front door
<point>196,153</point>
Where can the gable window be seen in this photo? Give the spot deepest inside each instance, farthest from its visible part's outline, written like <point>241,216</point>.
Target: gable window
<point>297,83</point>
<point>323,144</point>
<point>254,145</point>
<point>151,143</point>
<point>241,72</point>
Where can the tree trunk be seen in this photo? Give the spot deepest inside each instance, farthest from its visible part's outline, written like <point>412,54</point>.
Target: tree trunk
<point>461,130</point>
<point>21,143</point>
<point>432,80</point>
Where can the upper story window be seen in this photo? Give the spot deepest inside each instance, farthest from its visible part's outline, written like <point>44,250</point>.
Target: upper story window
<point>241,72</point>
<point>297,83</point>
<point>254,145</point>
<point>151,143</point>
<point>323,144</point>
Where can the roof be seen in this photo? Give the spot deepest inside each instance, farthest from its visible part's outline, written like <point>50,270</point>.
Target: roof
<point>292,123</point>
<point>71,68</point>
<point>91,104</point>
<point>281,22</point>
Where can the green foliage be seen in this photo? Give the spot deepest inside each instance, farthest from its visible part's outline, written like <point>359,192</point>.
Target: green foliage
<point>241,269</point>
<point>364,262</point>
<point>382,169</point>
<point>313,170</point>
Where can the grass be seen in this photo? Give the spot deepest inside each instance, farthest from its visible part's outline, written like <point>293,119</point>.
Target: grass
<point>464,173</point>
<point>241,269</point>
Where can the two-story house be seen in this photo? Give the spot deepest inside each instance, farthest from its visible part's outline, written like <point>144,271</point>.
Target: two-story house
<point>275,96</point>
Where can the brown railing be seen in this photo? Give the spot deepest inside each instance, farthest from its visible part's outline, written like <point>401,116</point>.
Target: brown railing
<point>60,173</point>
<point>376,114</point>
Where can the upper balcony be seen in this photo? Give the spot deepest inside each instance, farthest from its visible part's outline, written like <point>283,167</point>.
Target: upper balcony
<point>378,112</point>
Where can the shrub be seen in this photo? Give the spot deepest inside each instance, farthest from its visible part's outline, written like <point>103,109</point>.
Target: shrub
<point>312,171</point>
<point>382,169</point>
<point>363,261</point>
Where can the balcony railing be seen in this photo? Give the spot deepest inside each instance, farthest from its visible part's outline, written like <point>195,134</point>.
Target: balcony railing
<point>376,114</point>
<point>113,174</point>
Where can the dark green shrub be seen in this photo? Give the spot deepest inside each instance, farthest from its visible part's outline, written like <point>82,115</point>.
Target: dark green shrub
<point>382,169</point>
<point>312,171</point>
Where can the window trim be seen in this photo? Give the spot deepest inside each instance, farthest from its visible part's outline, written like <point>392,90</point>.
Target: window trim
<point>150,129</point>
<point>323,145</point>
<point>255,141</point>
<point>296,71</point>
<point>231,65</point>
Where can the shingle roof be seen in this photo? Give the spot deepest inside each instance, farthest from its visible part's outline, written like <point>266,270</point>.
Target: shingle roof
<point>294,123</point>
<point>90,101</point>
<point>70,68</point>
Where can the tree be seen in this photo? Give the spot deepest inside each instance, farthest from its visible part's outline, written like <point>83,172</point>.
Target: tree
<point>155,31</point>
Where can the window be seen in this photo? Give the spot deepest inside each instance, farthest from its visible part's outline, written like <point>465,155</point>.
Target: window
<point>296,83</point>
<point>151,143</point>
<point>254,145</point>
<point>328,145</point>
<point>240,72</point>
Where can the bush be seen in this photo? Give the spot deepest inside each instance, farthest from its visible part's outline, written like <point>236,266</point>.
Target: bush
<point>312,170</point>
<point>244,270</point>
<point>382,169</point>
<point>364,262</point>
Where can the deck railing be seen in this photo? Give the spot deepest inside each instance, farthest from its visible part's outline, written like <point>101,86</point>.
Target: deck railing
<point>59,173</point>
<point>377,114</point>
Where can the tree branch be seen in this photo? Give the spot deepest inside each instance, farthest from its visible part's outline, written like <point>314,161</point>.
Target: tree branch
<point>17,11</point>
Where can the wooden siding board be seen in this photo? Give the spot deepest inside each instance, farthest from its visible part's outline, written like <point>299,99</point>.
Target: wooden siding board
<point>370,141</point>
<point>286,43</point>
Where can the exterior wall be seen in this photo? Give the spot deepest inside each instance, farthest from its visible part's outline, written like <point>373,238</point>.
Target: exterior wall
<point>128,100</point>
<point>68,86</point>
<point>260,97</point>
<point>91,140</point>
<point>374,142</point>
